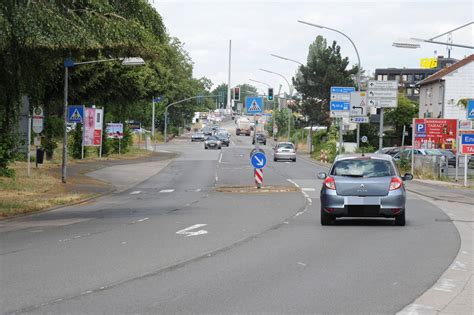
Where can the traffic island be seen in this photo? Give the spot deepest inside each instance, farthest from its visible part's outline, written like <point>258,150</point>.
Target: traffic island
<point>255,190</point>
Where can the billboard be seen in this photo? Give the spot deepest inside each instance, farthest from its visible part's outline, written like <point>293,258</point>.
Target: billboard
<point>432,133</point>
<point>93,126</point>
<point>114,131</point>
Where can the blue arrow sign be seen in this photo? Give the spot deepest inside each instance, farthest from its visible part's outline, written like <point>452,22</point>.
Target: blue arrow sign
<point>470,109</point>
<point>259,160</point>
<point>75,113</point>
<point>340,105</point>
<point>254,105</point>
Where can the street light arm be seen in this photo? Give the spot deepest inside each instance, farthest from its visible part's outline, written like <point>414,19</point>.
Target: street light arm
<point>441,43</point>
<point>290,90</point>
<point>288,59</point>
<point>334,30</point>
<point>96,61</point>
<point>261,82</point>
<point>457,28</point>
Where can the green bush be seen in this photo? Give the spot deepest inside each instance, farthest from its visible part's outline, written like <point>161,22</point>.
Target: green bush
<point>76,145</point>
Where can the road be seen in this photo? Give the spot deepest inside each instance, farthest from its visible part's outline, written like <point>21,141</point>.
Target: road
<point>173,244</point>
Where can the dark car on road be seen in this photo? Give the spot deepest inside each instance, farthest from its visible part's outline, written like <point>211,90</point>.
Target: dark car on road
<point>212,142</point>
<point>260,138</point>
<point>363,186</point>
<point>207,131</point>
<point>224,138</point>
<point>197,136</point>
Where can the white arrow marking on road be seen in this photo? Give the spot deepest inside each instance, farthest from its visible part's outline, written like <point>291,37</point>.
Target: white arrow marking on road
<point>259,162</point>
<point>187,230</point>
<point>141,220</point>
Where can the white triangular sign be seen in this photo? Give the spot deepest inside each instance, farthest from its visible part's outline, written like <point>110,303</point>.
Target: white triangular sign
<point>362,103</point>
<point>254,106</point>
<point>472,112</point>
<point>75,115</point>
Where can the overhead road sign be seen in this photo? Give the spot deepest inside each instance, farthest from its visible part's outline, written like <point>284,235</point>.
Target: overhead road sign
<point>75,113</point>
<point>359,105</point>
<point>258,160</point>
<point>254,104</point>
<point>470,109</point>
<point>467,142</point>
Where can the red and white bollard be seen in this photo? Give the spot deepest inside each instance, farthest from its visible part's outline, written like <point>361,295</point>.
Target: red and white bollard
<point>259,177</point>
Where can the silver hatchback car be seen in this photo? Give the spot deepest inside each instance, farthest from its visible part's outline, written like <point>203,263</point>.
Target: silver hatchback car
<point>284,151</point>
<point>363,186</point>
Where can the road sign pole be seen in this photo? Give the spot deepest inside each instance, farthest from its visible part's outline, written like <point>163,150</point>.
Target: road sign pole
<point>458,147</point>
<point>381,129</point>
<point>340,135</point>
<point>358,135</point>
<point>28,154</point>
<point>64,162</point>
<point>153,117</point>
<point>465,170</point>
<point>412,145</point>
<point>403,136</point>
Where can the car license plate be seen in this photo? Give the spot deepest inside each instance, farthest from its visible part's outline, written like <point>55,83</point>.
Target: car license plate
<point>355,200</point>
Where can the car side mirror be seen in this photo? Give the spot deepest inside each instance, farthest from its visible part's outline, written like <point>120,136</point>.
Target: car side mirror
<point>322,175</point>
<point>407,176</point>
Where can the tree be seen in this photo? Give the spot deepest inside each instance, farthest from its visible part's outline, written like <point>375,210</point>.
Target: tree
<point>401,116</point>
<point>325,67</point>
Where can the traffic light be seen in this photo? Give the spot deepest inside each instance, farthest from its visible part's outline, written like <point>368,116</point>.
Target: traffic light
<point>270,94</point>
<point>237,93</point>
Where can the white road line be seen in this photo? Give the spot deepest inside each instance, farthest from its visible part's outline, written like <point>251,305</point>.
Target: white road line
<point>297,186</point>
<point>141,220</point>
<point>220,158</point>
<point>187,230</point>
<point>166,191</point>
<point>308,189</point>
<point>217,178</point>
<point>136,192</point>
<point>198,190</point>
<point>302,264</point>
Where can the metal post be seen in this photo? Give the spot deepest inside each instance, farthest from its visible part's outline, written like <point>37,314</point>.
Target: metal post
<point>82,142</point>
<point>228,79</point>
<point>153,118</point>
<point>465,170</point>
<point>64,162</point>
<point>166,124</point>
<point>102,132</point>
<point>340,135</point>
<point>381,129</point>
<point>28,154</point>
<point>358,135</point>
<point>289,125</point>
<point>412,146</point>
<point>458,147</point>
<point>403,136</point>
<point>119,146</point>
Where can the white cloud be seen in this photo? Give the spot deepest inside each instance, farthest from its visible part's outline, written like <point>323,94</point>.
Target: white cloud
<point>259,28</point>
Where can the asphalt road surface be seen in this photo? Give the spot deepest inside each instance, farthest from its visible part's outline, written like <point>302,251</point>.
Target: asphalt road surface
<point>173,244</point>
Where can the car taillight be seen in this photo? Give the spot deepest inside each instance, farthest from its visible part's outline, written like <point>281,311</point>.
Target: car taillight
<point>330,183</point>
<point>395,183</point>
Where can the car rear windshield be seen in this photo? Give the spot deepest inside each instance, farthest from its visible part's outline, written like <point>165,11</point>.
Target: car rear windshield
<point>363,168</point>
<point>285,146</point>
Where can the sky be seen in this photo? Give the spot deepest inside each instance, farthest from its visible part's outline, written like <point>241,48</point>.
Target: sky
<point>260,28</point>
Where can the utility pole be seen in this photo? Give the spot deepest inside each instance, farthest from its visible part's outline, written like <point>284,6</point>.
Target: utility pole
<point>228,80</point>
<point>153,118</point>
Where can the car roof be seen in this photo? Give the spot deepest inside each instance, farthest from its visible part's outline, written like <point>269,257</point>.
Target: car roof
<point>285,143</point>
<point>386,157</point>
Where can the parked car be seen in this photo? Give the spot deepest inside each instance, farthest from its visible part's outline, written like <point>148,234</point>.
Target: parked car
<point>470,163</point>
<point>260,138</point>
<point>363,186</point>
<point>197,136</point>
<point>284,151</point>
<point>212,142</point>
<point>223,138</point>
<point>207,131</point>
<point>450,156</point>
<point>406,153</point>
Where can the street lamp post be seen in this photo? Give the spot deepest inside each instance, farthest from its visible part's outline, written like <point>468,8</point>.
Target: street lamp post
<point>290,88</point>
<point>358,81</point>
<point>288,59</point>
<point>69,63</point>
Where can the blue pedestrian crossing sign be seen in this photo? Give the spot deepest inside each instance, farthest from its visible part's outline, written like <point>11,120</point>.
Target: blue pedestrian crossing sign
<point>470,109</point>
<point>259,160</point>
<point>254,104</point>
<point>75,113</point>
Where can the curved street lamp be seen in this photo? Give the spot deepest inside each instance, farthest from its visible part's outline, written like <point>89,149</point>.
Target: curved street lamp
<point>287,59</point>
<point>290,88</point>
<point>268,85</point>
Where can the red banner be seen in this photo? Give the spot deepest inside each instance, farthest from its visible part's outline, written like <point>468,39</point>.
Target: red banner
<point>435,133</point>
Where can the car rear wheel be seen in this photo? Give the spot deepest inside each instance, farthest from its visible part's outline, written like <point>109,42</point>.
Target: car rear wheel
<point>294,160</point>
<point>205,148</point>
<point>326,218</point>
<point>400,219</point>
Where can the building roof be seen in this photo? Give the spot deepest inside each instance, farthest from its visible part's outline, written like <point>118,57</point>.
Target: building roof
<point>442,73</point>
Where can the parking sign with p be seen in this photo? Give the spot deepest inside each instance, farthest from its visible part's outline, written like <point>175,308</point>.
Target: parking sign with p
<point>420,128</point>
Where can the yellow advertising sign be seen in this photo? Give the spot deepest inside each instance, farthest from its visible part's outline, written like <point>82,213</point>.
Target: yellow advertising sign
<point>428,63</point>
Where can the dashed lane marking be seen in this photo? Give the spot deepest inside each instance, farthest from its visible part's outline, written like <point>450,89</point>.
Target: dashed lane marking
<point>136,192</point>
<point>164,191</point>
